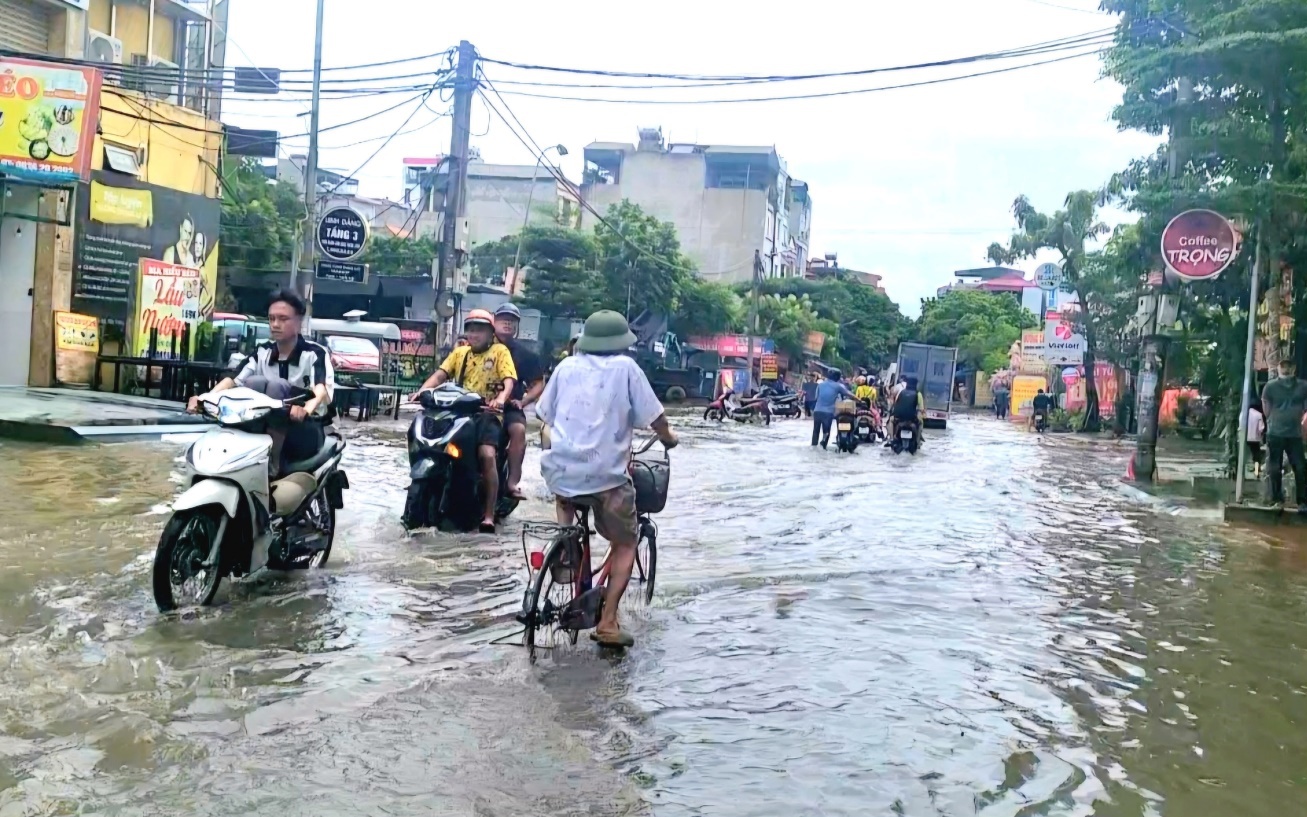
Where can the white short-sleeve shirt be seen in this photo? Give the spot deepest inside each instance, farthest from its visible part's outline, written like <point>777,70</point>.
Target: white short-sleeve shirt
<point>593,404</point>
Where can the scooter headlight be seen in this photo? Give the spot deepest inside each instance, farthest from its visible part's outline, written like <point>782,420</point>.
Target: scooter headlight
<point>230,411</point>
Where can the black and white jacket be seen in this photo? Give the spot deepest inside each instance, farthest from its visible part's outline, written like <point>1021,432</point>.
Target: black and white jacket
<point>307,366</point>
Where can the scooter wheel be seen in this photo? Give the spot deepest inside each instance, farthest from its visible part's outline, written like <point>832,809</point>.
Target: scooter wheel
<point>180,575</point>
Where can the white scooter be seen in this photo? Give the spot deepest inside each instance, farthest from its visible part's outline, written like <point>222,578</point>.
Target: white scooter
<point>232,520</point>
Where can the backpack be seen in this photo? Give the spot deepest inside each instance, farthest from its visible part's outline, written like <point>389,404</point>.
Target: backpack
<point>905,405</point>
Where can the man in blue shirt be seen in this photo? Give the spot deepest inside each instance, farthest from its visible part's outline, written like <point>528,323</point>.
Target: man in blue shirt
<point>823,413</point>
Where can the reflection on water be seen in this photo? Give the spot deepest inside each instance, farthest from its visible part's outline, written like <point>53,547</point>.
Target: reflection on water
<point>994,627</point>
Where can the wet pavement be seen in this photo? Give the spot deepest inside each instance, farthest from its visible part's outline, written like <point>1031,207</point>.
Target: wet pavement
<point>995,627</point>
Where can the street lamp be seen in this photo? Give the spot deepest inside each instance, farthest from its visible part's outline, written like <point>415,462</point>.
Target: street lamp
<point>517,256</point>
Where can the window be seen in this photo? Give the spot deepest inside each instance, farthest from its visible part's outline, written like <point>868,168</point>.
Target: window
<point>345,345</point>
<point>122,159</point>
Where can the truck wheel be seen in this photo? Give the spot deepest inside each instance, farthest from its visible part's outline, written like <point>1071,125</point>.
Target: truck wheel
<point>675,394</point>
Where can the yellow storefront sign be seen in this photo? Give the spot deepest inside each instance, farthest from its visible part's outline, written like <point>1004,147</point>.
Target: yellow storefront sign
<point>1024,389</point>
<point>121,205</point>
<point>48,114</point>
<point>769,367</point>
<point>76,333</point>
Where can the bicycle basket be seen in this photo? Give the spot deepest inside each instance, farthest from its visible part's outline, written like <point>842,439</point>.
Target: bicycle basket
<point>651,476</point>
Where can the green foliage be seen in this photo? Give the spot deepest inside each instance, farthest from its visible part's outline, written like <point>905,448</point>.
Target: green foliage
<point>1067,231</point>
<point>640,259</point>
<point>260,218</point>
<point>867,325</point>
<point>788,320</point>
<point>401,255</point>
<point>563,280</point>
<point>707,308</point>
<point>982,325</point>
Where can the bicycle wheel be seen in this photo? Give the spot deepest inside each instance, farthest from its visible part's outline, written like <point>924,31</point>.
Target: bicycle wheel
<point>553,588</point>
<point>646,560</point>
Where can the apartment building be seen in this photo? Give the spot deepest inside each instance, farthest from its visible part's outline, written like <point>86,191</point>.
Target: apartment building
<point>727,202</point>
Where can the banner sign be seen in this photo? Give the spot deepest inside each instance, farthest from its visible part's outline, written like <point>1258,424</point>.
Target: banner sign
<point>48,116</point>
<point>1063,346</point>
<point>342,272</point>
<point>1198,245</point>
<point>770,367</point>
<point>76,333</point>
<point>168,299</point>
<point>123,221</point>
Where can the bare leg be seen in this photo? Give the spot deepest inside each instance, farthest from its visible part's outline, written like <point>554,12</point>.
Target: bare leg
<point>516,453</point>
<point>621,560</point>
<point>489,482</point>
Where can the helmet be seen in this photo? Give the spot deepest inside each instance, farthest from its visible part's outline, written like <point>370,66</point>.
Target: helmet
<point>478,316</point>
<point>508,308</point>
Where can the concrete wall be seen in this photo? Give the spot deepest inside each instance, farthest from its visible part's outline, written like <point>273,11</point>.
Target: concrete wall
<point>496,207</point>
<point>719,229</point>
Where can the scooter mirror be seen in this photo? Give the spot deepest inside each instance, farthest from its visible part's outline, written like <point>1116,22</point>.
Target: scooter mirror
<point>427,399</point>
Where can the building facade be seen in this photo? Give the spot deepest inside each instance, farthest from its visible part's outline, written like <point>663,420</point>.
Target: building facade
<point>726,202</point>
<point>112,169</point>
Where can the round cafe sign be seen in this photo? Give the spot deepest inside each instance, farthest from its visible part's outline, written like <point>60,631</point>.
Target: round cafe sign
<point>1199,244</point>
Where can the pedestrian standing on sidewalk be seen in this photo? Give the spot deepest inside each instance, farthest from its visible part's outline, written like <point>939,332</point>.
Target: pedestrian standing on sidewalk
<point>1256,426</point>
<point>1284,401</point>
<point>823,414</point>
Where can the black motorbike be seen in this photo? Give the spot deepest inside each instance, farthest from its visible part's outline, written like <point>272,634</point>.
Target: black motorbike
<point>906,438</point>
<point>789,404</point>
<point>445,492</point>
<point>1041,421</point>
<point>846,426</point>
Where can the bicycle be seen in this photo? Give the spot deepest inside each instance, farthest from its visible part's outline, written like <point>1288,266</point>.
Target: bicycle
<point>564,595</point>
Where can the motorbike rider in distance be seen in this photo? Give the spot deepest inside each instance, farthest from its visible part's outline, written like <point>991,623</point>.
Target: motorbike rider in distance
<point>909,407</point>
<point>285,366</point>
<point>530,384</point>
<point>485,367</point>
<point>1040,406</point>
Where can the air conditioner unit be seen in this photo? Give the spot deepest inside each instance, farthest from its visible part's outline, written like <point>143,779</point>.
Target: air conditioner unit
<point>164,81</point>
<point>100,47</point>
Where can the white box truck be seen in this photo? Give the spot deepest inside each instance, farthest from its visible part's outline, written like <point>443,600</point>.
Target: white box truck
<point>933,367</point>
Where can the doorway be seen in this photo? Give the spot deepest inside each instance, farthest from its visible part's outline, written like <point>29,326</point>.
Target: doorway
<point>17,274</point>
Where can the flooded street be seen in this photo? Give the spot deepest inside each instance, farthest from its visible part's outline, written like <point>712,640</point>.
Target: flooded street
<point>995,627</point>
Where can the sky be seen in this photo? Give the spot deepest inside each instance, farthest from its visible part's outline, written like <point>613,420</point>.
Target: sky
<point>911,183</point>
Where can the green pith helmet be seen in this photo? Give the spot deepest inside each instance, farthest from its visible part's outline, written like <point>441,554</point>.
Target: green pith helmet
<point>605,331</point>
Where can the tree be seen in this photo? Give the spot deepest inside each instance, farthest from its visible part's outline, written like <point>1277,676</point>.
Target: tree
<point>707,308</point>
<point>563,280</point>
<point>982,325</point>
<point>1066,231</point>
<point>410,256</point>
<point>260,218</point>
<point>788,320</point>
<point>869,325</point>
<point>640,260</point>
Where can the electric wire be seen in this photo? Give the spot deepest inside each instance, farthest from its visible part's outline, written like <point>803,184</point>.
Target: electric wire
<point>1029,50</point>
<point>814,95</point>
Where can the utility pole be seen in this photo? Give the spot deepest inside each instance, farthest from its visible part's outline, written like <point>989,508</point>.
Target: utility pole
<point>753,308</point>
<point>1246,400</point>
<point>1152,351</point>
<point>456,180</point>
<point>306,248</point>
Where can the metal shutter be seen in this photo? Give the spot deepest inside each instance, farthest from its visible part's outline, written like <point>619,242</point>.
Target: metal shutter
<point>25,26</point>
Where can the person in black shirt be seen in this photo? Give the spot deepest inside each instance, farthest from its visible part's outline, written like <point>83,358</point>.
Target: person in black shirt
<point>530,384</point>
<point>1041,404</point>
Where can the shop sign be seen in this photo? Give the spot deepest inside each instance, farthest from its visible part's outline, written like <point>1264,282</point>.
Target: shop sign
<point>48,116</point>
<point>1062,344</point>
<point>342,234</point>
<point>1198,245</point>
<point>815,343</point>
<point>168,299</point>
<point>770,367</point>
<point>342,272</point>
<point>123,221</point>
<point>76,333</point>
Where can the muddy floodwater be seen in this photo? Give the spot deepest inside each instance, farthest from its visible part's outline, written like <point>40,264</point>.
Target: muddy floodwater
<point>995,627</point>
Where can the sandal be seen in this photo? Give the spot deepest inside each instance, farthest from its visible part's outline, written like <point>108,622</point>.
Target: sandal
<point>620,638</point>
<point>486,527</point>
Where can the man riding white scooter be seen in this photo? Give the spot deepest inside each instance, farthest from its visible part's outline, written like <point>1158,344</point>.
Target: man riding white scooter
<point>286,366</point>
